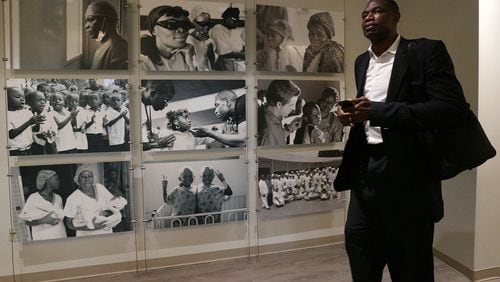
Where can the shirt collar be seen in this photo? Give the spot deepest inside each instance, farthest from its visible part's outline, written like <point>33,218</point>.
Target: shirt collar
<point>391,50</point>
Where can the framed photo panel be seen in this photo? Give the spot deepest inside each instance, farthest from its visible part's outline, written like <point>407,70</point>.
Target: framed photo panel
<point>193,114</point>
<point>299,40</point>
<point>299,112</point>
<point>60,201</point>
<point>192,36</point>
<point>193,193</point>
<point>297,183</point>
<point>67,116</point>
<point>77,34</point>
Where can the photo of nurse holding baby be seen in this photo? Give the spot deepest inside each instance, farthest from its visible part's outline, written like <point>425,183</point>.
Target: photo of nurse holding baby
<point>70,200</point>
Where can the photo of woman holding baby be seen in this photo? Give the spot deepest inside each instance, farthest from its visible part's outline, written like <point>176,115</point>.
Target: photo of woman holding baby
<point>71,200</point>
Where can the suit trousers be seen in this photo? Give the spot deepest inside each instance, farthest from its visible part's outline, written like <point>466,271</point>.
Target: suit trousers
<point>378,232</point>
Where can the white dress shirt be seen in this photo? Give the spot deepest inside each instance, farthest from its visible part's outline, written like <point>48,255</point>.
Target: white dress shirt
<point>378,76</point>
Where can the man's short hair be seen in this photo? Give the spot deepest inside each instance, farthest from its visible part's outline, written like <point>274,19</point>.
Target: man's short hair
<point>103,9</point>
<point>226,95</point>
<point>391,4</point>
<point>281,91</point>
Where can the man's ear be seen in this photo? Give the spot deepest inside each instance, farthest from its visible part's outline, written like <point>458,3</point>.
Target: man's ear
<point>279,104</point>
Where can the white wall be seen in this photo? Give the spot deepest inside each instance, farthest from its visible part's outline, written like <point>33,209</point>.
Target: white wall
<point>487,247</point>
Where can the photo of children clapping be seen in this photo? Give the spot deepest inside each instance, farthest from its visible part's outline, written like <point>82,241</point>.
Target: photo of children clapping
<point>67,116</point>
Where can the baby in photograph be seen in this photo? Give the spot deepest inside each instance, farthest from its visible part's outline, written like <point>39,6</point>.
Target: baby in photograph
<point>110,214</point>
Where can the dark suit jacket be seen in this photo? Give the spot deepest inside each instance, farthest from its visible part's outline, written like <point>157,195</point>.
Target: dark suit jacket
<point>439,102</point>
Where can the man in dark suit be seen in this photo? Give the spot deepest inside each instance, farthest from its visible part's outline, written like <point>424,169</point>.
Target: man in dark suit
<point>395,197</point>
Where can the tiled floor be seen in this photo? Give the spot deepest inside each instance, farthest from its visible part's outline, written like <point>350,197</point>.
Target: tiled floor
<point>317,264</point>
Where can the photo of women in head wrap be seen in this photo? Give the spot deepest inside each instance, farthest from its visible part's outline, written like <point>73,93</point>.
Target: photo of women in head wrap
<point>68,34</point>
<point>298,112</point>
<point>299,40</point>
<point>192,36</point>
<point>59,201</point>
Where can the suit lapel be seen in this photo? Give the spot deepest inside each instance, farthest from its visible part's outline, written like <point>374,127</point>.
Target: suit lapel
<point>361,67</point>
<point>399,69</point>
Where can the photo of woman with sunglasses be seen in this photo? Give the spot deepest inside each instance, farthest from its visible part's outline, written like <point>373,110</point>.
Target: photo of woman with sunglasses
<point>192,36</point>
<point>165,48</point>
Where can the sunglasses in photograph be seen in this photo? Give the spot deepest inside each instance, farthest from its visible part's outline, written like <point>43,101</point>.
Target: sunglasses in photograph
<point>172,24</point>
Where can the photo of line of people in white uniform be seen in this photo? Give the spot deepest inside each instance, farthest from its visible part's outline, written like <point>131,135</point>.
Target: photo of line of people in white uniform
<point>192,36</point>
<point>297,183</point>
<point>78,34</point>
<point>60,201</point>
<point>67,116</point>
<point>298,112</point>
<point>183,194</point>
<point>193,114</point>
<point>299,40</point>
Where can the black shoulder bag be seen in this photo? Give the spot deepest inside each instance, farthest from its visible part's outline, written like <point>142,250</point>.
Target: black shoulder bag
<point>453,149</point>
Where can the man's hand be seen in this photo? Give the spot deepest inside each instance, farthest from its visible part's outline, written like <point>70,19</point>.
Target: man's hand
<point>167,141</point>
<point>200,132</point>
<point>357,114</point>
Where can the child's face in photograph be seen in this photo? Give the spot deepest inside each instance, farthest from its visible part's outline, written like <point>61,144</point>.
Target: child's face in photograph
<point>39,102</point>
<point>83,98</point>
<point>93,101</point>
<point>315,117</point>
<point>72,101</point>
<point>57,101</point>
<point>183,123</point>
<point>186,178</point>
<point>116,103</point>
<point>16,99</point>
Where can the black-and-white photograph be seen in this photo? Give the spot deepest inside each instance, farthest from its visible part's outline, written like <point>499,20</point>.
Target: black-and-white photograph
<point>299,112</point>
<point>298,183</point>
<point>193,193</point>
<point>60,201</point>
<point>299,40</point>
<point>77,34</point>
<point>192,36</point>
<point>67,116</point>
<point>193,114</point>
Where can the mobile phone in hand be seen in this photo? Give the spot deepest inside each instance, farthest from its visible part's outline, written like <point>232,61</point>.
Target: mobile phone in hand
<point>346,104</point>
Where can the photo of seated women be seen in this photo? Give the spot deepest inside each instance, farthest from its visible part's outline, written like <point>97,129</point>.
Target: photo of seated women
<point>299,40</point>
<point>60,201</point>
<point>298,112</point>
<point>192,36</point>
<point>69,35</point>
